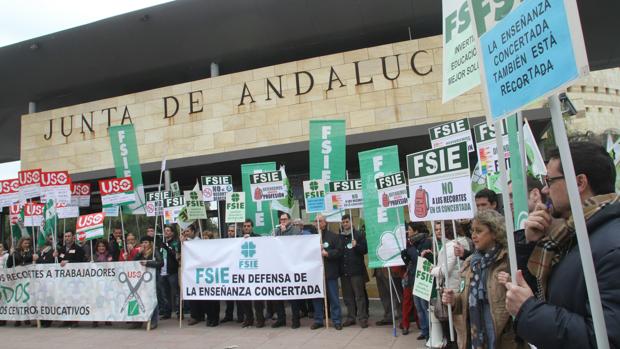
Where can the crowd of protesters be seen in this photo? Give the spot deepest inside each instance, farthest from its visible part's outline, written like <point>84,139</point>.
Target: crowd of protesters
<point>545,306</point>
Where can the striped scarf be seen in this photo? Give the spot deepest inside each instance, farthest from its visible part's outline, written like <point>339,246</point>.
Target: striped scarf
<point>560,240</point>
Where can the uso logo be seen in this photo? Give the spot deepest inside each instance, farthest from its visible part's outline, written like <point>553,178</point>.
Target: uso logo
<point>33,209</point>
<point>79,189</point>
<point>29,177</point>
<point>90,220</point>
<point>115,185</point>
<point>9,186</point>
<point>55,178</point>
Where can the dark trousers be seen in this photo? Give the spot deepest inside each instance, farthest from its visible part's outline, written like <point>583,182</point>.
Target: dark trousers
<point>170,293</point>
<point>213,311</point>
<point>230,310</point>
<point>198,309</point>
<point>259,307</point>
<point>280,309</point>
<point>354,295</point>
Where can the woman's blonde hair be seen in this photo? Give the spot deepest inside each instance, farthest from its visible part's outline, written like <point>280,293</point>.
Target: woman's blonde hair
<point>496,224</point>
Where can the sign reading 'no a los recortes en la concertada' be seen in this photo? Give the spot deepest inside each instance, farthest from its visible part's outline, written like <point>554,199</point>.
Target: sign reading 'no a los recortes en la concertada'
<point>170,106</point>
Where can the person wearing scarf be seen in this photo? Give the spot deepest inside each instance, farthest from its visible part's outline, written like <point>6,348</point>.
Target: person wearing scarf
<point>482,300</point>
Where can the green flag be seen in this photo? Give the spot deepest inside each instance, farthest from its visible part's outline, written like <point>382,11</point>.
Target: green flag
<point>127,163</point>
<point>384,233</point>
<point>328,155</point>
<point>50,217</point>
<point>519,186</point>
<point>18,230</point>
<point>286,204</point>
<point>259,212</point>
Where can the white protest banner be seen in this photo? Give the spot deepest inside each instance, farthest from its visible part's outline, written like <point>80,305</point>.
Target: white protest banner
<point>392,190</point>
<point>90,226</point>
<point>536,50</point>
<point>423,285</point>
<point>114,291</point>
<point>80,194</point>
<point>440,184</point>
<point>29,184</point>
<point>452,132</point>
<point>67,211</point>
<point>344,195</point>
<point>235,207</point>
<point>111,211</point>
<point>171,208</point>
<point>314,195</point>
<point>215,188</point>
<point>487,147</point>
<point>117,191</point>
<point>284,267</point>
<point>33,214</point>
<point>9,192</point>
<point>56,186</point>
<point>267,186</point>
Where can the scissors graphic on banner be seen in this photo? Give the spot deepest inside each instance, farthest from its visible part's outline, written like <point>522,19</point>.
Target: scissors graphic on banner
<point>133,289</point>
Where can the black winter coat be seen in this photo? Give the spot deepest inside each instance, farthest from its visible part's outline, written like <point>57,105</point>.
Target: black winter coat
<point>333,245</point>
<point>564,320</point>
<point>352,263</point>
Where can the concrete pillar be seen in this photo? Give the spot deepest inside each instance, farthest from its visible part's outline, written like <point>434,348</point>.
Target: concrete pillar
<point>215,69</point>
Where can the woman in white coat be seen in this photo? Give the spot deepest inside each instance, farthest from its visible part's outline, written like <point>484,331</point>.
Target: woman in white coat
<point>451,274</point>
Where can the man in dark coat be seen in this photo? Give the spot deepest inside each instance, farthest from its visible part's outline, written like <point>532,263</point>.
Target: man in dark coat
<point>559,316</point>
<point>353,272</point>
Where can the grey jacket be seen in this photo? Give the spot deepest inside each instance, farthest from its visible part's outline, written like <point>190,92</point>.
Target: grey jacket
<point>290,230</point>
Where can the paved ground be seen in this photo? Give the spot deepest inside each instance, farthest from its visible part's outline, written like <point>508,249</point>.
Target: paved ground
<point>228,335</point>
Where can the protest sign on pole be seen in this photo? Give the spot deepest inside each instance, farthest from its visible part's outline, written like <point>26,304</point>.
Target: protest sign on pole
<point>235,207</point>
<point>9,192</point>
<point>154,202</point>
<point>535,163</point>
<point>90,226</point>
<point>314,195</point>
<point>215,188</point>
<point>29,184</point>
<point>48,225</point>
<point>127,162</point>
<point>392,190</point>
<point>327,150</point>
<point>384,233</point>
<point>439,183</point>
<point>111,211</point>
<point>67,211</point>
<point>56,185</point>
<point>257,211</point>
<point>172,208</point>
<point>345,195</point>
<point>452,132</point>
<point>536,50</point>
<point>517,174</point>
<point>117,191</point>
<point>175,188</point>
<point>267,186</point>
<point>80,194</point>
<point>109,291</point>
<point>423,285</point>
<point>33,214</point>
<point>284,267</point>
<point>194,205</point>
<point>488,158</point>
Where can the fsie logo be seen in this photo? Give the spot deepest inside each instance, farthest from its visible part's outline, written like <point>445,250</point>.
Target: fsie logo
<point>248,250</point>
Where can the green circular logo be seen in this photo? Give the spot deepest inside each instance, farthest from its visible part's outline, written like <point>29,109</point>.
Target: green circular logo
<point>234,197</point>
<point>314,185</point>
<point>193,195</point>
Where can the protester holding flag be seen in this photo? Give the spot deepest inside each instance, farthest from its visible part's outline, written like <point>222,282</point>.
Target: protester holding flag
<point>417,241</point>
<point>482,300</point>
<point>46,253</point>
<point>352,273</point>
<point>171,254</point>
<point>559,316</point>
<point>332,252</point>
<point>145,256</point>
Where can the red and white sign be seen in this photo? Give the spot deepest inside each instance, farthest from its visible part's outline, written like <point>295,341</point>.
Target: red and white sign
<point>29,184</point>
<point>14,211</point>
<point>67,211</point>
<point>33,214</point>
<point>56,185</point>
<point>90,226</point>
<point>117,191</point>
<point>9,192</point>
<point>80,194</point>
